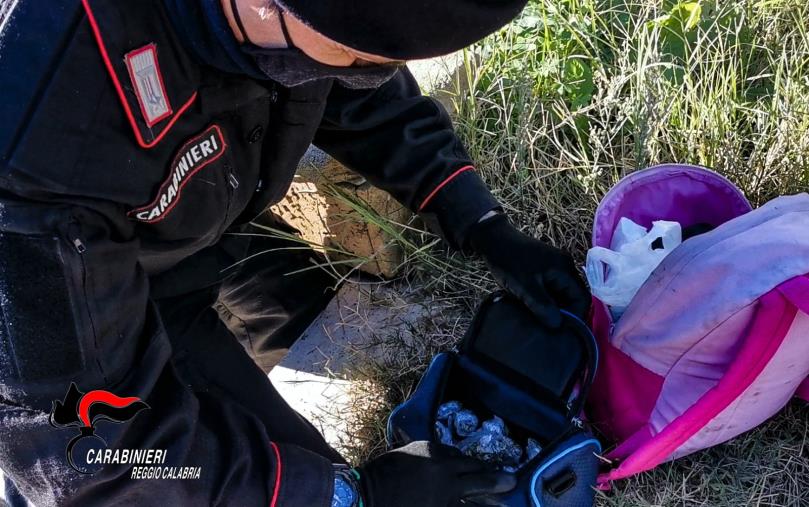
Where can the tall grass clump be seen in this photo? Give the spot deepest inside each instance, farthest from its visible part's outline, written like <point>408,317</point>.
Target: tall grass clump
<point>577,93</point>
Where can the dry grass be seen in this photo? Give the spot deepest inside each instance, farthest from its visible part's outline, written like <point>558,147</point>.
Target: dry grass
<point>579,93</point>
<point>768,466</point>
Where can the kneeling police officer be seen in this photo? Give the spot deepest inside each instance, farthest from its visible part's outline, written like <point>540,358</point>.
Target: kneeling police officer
<point>142,143</point>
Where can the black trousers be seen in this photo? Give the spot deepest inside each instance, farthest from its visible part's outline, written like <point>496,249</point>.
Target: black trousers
<point>232,311</point>
<point>227,334</point>
<point>266,288</point>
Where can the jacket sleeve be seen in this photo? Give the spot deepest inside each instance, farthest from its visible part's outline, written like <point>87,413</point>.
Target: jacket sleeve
<point>404,143</point>
<point>76,309</point>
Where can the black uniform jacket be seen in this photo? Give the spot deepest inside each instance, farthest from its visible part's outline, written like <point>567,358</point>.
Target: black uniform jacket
<point>120,155</point>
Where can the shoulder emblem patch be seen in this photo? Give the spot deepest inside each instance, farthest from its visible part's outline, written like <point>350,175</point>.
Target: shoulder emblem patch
<point>190,159</point>
<point>147,80</point>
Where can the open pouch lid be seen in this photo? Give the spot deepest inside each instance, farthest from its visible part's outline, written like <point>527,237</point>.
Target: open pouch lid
<point>510,365</point>
<point>506,339</point>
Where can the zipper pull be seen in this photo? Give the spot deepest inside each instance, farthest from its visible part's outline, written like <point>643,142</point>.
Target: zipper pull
<point>74,236</point>
<point>233,181</point>
<point>79,246</point>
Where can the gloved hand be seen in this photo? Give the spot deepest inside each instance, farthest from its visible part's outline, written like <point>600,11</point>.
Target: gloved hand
<point>424,474</point>
<point>543,277</point>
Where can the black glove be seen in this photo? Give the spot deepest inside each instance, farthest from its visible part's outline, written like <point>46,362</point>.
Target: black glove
<point>543,277</point>
<point>424,474</point>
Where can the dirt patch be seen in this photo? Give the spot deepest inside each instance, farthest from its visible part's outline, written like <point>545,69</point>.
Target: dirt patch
<point>314,205</point>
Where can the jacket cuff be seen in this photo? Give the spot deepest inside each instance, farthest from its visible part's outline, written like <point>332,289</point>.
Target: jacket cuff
<point>456,205</point>
<point>300,478</point>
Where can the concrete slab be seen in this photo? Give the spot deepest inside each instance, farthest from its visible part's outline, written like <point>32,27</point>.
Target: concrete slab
<point>314,377</point>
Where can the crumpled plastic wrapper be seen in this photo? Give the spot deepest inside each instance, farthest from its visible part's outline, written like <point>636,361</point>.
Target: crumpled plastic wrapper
<point>532,449</point>
<point>447,410</point>
<point>495,426</point>
<point>465,423</point>
<point>488,441</point>
<point>444,434</point>
<point>491,448</point>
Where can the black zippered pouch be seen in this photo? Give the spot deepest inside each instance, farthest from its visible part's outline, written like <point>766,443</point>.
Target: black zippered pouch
<point>536,379</point>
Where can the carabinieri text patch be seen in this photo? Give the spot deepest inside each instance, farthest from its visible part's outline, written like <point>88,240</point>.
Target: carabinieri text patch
<point>190,159</point>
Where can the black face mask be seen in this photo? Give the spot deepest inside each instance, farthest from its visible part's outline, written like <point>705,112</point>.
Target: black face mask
<point>292,67</point>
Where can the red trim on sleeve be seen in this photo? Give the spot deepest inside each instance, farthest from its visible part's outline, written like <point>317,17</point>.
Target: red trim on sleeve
<point>276,490</point>
<point>121,95</point>
<point>443,183</point>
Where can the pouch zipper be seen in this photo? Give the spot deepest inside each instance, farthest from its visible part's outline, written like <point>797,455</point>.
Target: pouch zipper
<point>76,240</point>
<point>79,246</point>
<point>74,236</point>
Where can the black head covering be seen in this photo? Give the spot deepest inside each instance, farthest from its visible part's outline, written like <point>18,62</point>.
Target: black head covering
<point>404,29</point>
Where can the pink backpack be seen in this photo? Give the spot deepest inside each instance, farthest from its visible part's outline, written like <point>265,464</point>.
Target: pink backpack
<point>716,341</point>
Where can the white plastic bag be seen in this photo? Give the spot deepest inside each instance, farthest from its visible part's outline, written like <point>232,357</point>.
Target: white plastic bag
<point>615,274</point>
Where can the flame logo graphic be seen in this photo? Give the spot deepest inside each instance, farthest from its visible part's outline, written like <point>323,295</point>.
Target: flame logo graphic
<point>83,410</point>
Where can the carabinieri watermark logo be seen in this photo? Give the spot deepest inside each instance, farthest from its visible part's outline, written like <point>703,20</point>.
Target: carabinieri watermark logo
<point>83,411</point>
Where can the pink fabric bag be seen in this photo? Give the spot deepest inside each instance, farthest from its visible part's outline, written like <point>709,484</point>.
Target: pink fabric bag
<point>716,341</point>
